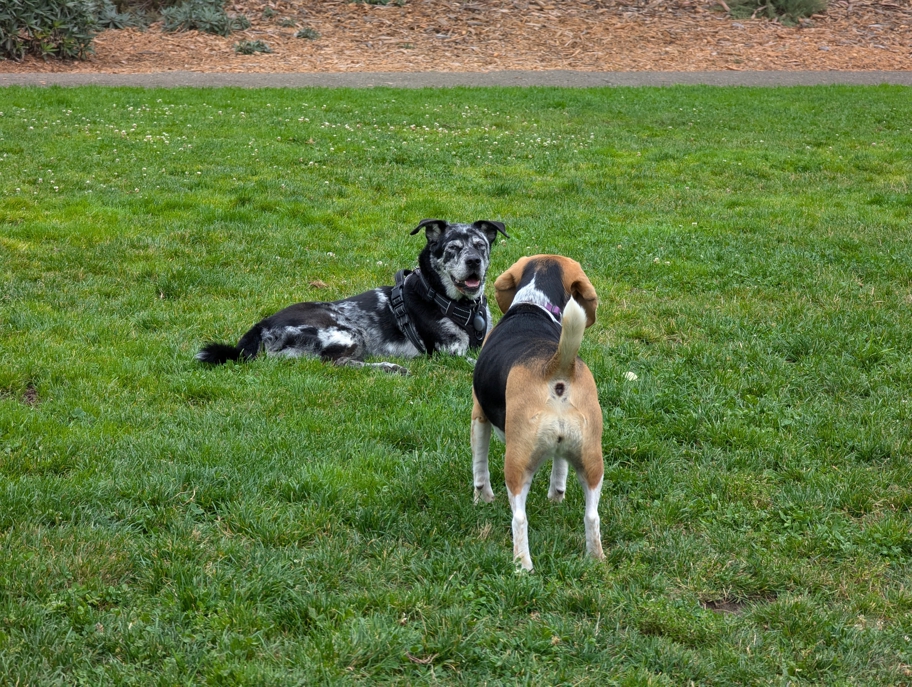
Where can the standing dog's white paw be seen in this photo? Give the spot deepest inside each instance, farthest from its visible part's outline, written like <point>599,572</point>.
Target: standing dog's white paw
<point>484,494</point>
<point>523,564</point>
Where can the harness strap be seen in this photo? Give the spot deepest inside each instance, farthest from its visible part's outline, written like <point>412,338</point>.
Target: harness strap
<point>473,321</point>
<point>397,305</point>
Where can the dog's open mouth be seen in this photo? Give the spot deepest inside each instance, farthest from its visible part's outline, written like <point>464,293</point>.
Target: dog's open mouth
<point>468,286</point>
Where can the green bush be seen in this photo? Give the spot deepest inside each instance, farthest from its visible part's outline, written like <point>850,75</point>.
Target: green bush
<point>308,33</point>
<point>250,47</point>
<point>208,16</point>
<point>108,16</point>
<point>49,28</point>
<point>153,7</point>
<point>782,9</point>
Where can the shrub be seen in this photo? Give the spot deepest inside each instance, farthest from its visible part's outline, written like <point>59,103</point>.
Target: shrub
<point>48,28</point>
<point>152,6</point>
<point>108,17</point>
<point>308,33</point>
<point>208,16</point>
<point>782,9</point>
<point>250,47</point>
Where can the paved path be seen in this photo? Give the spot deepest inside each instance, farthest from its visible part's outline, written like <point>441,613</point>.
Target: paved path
<point>571,79</point>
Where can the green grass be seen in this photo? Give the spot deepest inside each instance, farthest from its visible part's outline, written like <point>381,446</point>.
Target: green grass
<point>287,522</point>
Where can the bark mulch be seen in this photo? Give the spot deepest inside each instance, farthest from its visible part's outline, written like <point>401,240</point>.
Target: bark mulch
<point>490,35</point>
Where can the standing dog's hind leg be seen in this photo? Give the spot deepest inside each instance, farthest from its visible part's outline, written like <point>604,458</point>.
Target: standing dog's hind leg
<point>558,480</point>
<point>591,517</point>
<point>481,443</point>
<point>518,495</point>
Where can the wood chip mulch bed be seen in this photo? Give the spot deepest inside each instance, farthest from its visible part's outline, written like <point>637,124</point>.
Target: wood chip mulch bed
<point>489,35</point>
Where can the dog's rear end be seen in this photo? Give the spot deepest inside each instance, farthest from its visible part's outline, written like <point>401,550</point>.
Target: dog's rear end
<point>549,410</point>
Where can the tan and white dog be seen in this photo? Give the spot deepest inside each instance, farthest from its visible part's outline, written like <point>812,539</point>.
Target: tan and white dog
<point>530,387</point>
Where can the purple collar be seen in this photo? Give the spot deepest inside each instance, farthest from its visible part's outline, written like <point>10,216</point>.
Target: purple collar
<point>554,311</point>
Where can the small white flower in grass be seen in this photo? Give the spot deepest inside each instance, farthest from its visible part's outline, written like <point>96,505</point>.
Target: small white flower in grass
<point>630,376</point>
<point>331,254</point>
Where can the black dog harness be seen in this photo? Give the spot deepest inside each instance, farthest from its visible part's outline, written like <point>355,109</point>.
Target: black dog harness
<point>473,321</point>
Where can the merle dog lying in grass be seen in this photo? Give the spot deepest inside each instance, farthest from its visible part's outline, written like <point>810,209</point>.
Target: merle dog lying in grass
<point>441,306</point>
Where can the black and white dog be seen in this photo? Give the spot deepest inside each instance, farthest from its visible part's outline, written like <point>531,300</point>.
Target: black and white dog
<point>441,306</point>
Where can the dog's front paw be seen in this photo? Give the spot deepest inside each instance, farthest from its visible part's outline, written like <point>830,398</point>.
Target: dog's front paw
<point>556,495</point>
<point>393,368</point>
<point>484,494</point>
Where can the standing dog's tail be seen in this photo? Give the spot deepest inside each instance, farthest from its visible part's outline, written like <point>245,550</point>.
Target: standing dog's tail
<point>573,324</point>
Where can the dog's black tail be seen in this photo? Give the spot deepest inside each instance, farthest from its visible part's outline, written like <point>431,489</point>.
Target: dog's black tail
<point>218,353</point>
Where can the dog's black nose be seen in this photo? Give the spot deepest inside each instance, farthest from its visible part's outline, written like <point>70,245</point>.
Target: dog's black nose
<point>474,263</point>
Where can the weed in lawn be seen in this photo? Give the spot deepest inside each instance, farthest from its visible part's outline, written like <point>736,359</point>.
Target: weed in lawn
<point>287,521</point>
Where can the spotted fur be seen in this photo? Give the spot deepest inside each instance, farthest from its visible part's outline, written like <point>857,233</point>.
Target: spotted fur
<point>454,262</point>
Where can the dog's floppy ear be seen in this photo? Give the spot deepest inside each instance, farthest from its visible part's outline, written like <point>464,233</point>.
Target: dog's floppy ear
<point>505,285</point>
<point>433,228</point>
<point>578,285</point>
<point>490,229</point>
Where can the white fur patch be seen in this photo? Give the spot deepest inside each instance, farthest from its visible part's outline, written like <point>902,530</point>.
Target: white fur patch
<point>335,337</point>
<point>530,293</point>
<point>460,344</point>
<point>401,350</point>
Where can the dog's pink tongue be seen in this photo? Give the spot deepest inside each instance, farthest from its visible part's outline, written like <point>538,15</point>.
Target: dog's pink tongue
<point>472,283</point>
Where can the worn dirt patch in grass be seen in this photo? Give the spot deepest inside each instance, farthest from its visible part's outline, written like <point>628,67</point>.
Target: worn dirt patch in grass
<point>30,396</point>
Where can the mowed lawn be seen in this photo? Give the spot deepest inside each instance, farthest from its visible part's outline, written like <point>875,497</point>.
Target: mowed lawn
<point>289,522</point>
